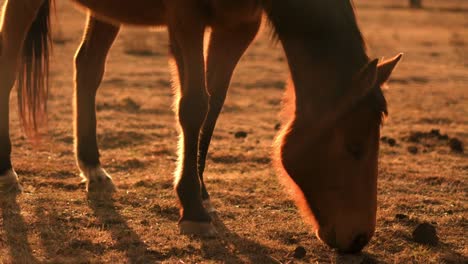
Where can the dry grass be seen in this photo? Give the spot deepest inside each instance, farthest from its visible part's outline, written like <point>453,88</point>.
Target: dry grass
<point>54,222</point>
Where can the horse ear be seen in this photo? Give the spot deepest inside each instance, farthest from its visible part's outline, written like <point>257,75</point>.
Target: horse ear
<point>367,77</point>
<point>386,68</point>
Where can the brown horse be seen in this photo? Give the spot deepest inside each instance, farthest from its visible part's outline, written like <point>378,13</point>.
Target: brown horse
<point>328,147</point>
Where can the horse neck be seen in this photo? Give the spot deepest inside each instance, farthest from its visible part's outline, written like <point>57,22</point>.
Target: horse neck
<point>319,83</point>
<point>324,48</point>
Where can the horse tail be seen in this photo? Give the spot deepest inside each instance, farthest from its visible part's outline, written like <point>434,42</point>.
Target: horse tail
<point>33,75</point>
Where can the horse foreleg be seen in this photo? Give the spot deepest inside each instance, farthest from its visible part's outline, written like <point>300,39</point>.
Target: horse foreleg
<point>17,18</point>
<point>186,39</point>
<point>90,61</point>
<point>227,44</point>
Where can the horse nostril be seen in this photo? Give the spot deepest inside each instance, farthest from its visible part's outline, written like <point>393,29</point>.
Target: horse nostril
<point>358,243</point>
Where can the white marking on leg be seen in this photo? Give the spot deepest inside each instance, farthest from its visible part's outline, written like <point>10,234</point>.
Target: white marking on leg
<point>97,179</point>
<point>209,206</point>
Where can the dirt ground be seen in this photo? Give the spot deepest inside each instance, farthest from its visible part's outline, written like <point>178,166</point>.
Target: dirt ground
<point>422,176</point>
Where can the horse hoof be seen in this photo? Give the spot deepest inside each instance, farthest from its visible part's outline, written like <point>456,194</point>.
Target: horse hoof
<point>209,206</point>
<point>9,182</point>
<point>98,181</point>
<point>203,229</point>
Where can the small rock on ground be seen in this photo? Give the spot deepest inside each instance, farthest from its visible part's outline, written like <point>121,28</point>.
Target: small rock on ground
<point>401,216</point>
<point>456,145</point>
<point>240,134</point>
<point>426,234</point>
<point>413,149</point>
<point>300,252</point>
<point>390,141</point>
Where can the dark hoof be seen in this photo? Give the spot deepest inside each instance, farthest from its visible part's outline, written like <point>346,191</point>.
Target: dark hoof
<point>203,229</point>
<point>9,183</point>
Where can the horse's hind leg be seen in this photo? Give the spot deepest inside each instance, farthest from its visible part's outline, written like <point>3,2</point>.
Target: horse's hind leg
<point>17,18</point>
<point>227,44</point>
<point>89,69</point>
<point>186,39</point>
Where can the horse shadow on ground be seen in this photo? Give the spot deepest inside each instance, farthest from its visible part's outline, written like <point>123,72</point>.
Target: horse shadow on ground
<point>230,247</point>
<point>55,231</point>
<point>16,230</point>
<point>361,258</point>
<point>125,237</point>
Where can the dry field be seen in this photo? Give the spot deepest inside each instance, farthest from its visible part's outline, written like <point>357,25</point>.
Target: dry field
<point>421,178</point>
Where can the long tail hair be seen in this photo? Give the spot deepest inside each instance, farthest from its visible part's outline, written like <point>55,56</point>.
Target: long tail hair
<point>33,75</point>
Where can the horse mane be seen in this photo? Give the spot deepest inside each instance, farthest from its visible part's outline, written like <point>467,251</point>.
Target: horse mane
<point>331,30</point>
<point>319,23</point>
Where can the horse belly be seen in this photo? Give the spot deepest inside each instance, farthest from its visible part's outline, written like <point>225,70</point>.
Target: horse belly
<point>232,13</point>
<point>135,12</point>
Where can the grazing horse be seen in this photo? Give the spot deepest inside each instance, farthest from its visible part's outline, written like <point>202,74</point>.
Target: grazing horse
<point>327,148</point>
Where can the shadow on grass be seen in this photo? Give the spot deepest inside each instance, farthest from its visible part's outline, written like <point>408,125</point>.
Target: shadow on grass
<point>229,247</point>
<point>16,230</point>
<point>56,234</point>
<point>445,250</point>
<point>125,238</point>
<point>364,258</point>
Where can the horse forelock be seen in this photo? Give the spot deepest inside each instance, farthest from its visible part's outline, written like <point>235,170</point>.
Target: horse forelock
<point>379,103</point>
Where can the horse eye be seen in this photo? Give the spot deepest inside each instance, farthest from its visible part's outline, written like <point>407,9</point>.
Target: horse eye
<point>357,151</point>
